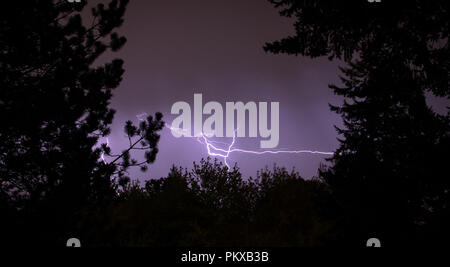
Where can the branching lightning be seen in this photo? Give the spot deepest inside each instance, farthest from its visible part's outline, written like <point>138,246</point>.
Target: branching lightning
<point>103,152</point>
<point>215,151</point>
<point>225,150</point>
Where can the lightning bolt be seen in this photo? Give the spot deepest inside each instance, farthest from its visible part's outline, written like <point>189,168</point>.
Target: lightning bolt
<point>102,156</point>
<point>215,151</point>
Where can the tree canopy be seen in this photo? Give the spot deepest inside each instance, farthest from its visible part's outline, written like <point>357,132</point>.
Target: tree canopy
<point>389,173</point>
<point>54,108</point>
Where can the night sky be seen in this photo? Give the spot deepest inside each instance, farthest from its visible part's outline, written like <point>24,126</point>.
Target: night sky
<point>178,48</point>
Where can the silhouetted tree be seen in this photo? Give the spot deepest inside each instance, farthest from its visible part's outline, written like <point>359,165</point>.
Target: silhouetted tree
<point>54,107</point>
<point>143,137</point>
<point>390,167</point>
<point>212,205</point>
<point>417,31</point>
<point>291,211</point>
<point>389,174</point>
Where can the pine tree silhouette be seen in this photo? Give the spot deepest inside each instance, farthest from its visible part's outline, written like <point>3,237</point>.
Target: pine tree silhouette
<point>54,107</point>
<point>389,173</point>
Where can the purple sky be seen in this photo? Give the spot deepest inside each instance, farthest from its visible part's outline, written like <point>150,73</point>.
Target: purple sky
<point>178,48</point>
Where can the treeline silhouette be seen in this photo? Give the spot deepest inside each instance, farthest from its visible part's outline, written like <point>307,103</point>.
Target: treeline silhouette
<point>211,205</point>
<point>388,179</point>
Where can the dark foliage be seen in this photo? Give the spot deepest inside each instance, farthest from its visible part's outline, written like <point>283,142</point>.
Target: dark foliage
<point>214,206</point>
<point>54,107</point>
<point>390,174</point>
